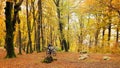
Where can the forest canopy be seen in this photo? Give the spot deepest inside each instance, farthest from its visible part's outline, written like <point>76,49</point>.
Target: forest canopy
<point>69,25</point>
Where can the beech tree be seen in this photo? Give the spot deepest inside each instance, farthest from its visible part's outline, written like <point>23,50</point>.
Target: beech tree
<point>11,19</point>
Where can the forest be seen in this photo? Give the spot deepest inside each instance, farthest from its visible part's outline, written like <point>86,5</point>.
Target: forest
<point>82,33</point>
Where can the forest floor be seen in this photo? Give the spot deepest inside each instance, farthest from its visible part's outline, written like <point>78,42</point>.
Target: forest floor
<point>64,60</point>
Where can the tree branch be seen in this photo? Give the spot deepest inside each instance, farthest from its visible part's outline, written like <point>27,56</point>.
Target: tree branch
<point>18,4</point>
<point>54,1</point>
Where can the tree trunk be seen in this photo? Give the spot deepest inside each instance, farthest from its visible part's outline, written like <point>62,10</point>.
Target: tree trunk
<point>96,36</point>
<point>117,35</point>
<point>109,26</point>
<point>34,24</point>
<point>20,45</point>
<point>68,44</point>
<point>35,37</point>
<point>19,34</point>
<point>23,38</point>
<point>118,25</point>
<point>10,26</point>
<point>62,38</point>
<point>68,35</point>
<point>64,43</point>
<point>28,27</point>
<point>9,30</point>
<point>109,32</point>
<point>39,25</point>
<point>80,36</point>
<point>51,35</point>
<point>103,34</point>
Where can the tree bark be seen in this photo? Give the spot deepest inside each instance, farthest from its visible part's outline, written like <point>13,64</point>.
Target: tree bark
<point>39,25</point>
<point>20,45</point>
<point>9,30</point>
<point>68,35</point>
<point>109,31</point>
<point>19,32</point>
<point>63,41</point>
<point>34,24</point>
<point>28,27</point>
<point>118,26</point>
<point>68,43</point>
<point>103,34</point>
<point>10,26</point>
<point>96,36</point>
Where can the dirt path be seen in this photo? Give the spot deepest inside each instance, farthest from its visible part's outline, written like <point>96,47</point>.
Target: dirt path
<point>64,60</point>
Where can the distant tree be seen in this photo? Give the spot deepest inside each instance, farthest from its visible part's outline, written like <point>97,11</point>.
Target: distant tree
<point>19,32</point>
<point>34,24</point>
<point>39,24</point>
<point>63,41</point>
<point>29,45</point>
